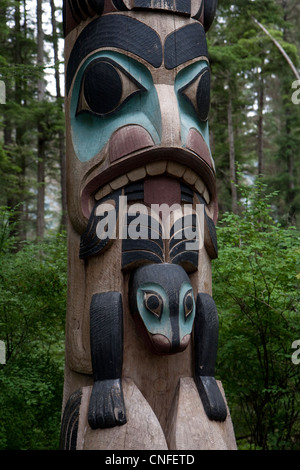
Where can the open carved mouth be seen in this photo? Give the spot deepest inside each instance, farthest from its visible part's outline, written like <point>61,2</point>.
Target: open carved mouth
<point>176,164</point>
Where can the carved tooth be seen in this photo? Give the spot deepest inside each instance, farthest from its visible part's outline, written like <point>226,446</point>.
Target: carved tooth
<point>199,186</point>
<point>156,168</point>
<point>190,176</point>
<point>175,169</point>
<point>104,191</point>
<point>206,196</point>
<point>119,182</point>
<point>137,174</point>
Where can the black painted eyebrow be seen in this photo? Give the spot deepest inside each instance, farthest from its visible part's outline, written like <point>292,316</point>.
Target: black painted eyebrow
<point>105,32</point>
<point>185,44</point>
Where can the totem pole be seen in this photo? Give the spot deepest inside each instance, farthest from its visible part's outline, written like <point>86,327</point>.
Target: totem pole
<point>142,327</point>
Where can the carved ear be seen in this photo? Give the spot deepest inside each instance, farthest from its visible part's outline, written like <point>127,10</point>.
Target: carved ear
<point>210,7</point>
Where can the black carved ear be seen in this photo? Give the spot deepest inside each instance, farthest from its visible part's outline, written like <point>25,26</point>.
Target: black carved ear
<point>210,7</point>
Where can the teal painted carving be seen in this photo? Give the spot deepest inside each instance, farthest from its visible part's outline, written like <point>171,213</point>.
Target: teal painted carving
<point>140,106</point>
<point>162,303</point>
<point>187,85</point>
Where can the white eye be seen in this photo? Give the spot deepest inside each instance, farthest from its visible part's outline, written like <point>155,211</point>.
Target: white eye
<point>154,303</point>
<point>188,303</point>
<point>197,92</point>
<point>105,86</point>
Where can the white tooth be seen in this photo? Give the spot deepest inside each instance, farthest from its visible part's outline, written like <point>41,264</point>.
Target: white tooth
<point>156,168</point>
<point>190,176</point>
<point>104,191</point>
<point>119,182</point>
<point>175,169</point>
<point>199,186</point>
<point>206,196</point>
<point>137,174</point>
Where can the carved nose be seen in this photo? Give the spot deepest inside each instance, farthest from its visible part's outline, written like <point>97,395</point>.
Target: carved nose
<point>170,117</point>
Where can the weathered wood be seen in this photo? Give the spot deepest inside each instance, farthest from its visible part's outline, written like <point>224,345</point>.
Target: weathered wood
<point>141,327</point>
<point>189,428</point>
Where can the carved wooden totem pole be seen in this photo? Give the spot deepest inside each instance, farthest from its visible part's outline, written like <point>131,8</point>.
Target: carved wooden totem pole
<point>142,327</point>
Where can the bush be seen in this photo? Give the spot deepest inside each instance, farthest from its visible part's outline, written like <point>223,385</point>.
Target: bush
<point>32,318</point>
<point>257,293</point>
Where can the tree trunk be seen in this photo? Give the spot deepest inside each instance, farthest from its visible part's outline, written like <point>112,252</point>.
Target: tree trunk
<point>260,125</point>
<point>41,141</point>
<point>232,164</point>
<point>289,151</point>
<point>61,136</point>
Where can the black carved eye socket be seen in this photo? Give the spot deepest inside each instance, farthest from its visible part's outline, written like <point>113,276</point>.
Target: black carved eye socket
<point>188,303</point>
<point>104,87</point>
<point>154,303</point>
<point>197,92</point>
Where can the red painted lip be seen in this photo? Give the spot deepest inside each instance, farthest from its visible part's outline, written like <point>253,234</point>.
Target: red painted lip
<point>120,167</point>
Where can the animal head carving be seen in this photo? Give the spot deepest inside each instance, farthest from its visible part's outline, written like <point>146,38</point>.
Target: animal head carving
<point>162,303</point>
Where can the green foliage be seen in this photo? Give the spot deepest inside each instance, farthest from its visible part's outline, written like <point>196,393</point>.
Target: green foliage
<point>249,71</point>
<point>257,293</point>
<point>32,316</point>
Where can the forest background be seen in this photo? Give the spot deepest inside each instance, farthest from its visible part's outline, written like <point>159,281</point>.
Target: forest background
<point>254,121</point>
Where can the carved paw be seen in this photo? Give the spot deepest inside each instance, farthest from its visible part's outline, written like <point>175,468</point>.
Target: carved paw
<point>106,408</point>
<point>211,397</point>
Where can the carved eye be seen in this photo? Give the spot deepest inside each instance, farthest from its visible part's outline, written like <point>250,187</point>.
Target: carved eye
<point>154,303</point>
<point>188,303</point>
<point>105,87</point>
<point>197,92</point>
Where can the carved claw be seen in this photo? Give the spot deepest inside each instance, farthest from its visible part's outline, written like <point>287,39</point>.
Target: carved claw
<point>211,397</point>
<point>106,408</point>
<point>206,345</point>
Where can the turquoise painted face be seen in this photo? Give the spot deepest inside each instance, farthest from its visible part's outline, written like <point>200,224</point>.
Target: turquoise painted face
<point>192,87</point>
<point>155,308</point>
<point>165,306</point>
<point>128,98</point>
<point>112,90</point>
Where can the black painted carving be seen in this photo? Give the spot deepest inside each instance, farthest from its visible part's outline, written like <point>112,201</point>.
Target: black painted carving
<point>183,6</point>
<point>206,345</point>
<point>90,242</point>
<point>80,10</point>
<point>105,32</point>
<point>106,407</point>
<point>187,194</point>
<point>183,244</point>
<point>210,7</point>
<point>203,93</point>
<point>134,191</point>
<point>120,5</point>
<point>69,425</point>
<point>102,89</point>
<point>178,6</point>
<point>185,44</point>
<point>148,248</point>
<point>211,229</point>
<point>142,3</point>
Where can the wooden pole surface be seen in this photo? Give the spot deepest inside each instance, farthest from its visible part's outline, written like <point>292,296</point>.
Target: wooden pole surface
<point>141,326</point>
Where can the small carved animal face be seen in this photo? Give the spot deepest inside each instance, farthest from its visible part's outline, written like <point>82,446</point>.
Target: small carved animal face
<point>162,303</point>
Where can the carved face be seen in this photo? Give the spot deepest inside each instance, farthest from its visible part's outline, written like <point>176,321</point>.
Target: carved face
<point>163,306</point>
<point>137,85</point>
